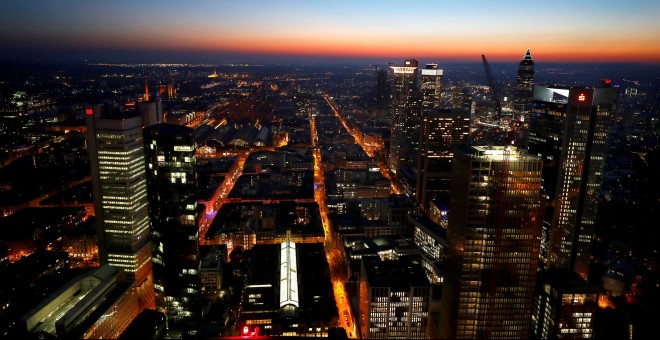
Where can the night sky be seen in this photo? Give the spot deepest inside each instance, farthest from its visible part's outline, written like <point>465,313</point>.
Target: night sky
<point>576,31</point>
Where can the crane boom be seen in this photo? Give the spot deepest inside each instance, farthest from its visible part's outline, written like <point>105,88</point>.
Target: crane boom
<point>493,86</point>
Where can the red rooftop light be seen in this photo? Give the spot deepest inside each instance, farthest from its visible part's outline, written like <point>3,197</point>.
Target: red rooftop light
<point>89,111</point>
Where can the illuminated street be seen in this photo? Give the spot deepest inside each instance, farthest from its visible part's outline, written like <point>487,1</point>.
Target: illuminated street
<point>355,132</point>
<point>218,199</point>
<point>333,254</point>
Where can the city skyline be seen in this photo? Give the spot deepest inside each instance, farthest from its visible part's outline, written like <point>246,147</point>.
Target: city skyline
<point>329,169</point>
<point>558,31</point>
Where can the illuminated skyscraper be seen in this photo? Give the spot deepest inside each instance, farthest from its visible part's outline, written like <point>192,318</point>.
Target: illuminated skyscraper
<point>584,148</point>
<point>524,85</point>
<point>406,107</point>
<point>431,87</point>
<point>116,154</point>
<point>171,188</point>
<point>441,131</point>
<point>493,238</point>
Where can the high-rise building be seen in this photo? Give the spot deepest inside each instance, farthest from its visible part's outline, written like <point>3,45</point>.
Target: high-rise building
<point>171,188</point>
<point>524,85</point>
<point>394,300</point>
<point>545,138</point>
<point>441,131</point>
<point>584,148</point>
<point>119,186</point>
<point>493,240</point>
<point>382,88</point>
<point>546,131</point>
<point>564,307</point>
<point>406,107</point>
<point>431,87</point>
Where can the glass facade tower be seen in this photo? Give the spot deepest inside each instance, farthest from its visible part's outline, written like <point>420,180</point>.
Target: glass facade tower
<point>441,130</point>
<point>172,186</point>
<point>493,239</point>
<point>584,148</point>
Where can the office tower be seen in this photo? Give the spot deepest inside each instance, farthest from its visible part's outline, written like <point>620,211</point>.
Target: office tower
<point>564,307</point>
<point>545,138</point>
<point>394,300</point>
<point>431,87</point>
<point>493,243</point>
<point>584,148</point>
<point>546,131</point>
<point>524,85</point>
<point>171,188</point>
<point>116,156</point>
<point>441,131</point>
<point>405,110</point>
<point>382,88</point>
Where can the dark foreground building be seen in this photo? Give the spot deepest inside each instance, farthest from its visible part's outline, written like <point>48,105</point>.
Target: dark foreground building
<point>171,187</point>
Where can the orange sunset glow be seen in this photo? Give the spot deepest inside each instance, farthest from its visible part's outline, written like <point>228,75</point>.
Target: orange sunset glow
<point>560,31</point>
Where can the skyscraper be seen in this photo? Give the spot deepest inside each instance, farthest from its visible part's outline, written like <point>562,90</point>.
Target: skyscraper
<point>546,131</point>
<point>171,188</point>
<point>431,87</point>
<point>116,154</point>
<point>493,238</point>
<point>441,131</point>
<point>382,88</point>
<point>524,85</point>
<point>406,101</point>
<point>584,148</point>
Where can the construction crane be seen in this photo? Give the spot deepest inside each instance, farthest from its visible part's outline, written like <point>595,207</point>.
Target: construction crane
<point>493,86</point>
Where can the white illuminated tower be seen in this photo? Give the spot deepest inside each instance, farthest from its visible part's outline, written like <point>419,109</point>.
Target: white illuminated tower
<point>116,154</point>
<point>406,102</point>
<point>431,87</point>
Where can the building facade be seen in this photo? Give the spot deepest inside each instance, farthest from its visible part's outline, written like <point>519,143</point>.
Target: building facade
<point>493,244</point>
<point>584,149</point>
<point>394,300</point>
<point>99,305</point>
<point>119,186</point>
<point>564,307</point>
<point>441,131</point>
<point>171,188</point>
<point>406,107</point>
<point>524,86</point>
<point>431,87</point>
<point>545,138</point>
